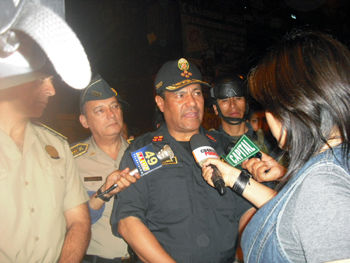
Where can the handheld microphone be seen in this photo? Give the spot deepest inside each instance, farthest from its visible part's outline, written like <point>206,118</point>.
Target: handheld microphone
<point>242,150</point>
<point>146,161</point>
<point>201,152</point>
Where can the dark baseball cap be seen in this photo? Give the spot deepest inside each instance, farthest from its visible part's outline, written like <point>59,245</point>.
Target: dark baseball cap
<point>176,74</point>
<point>98,89</point>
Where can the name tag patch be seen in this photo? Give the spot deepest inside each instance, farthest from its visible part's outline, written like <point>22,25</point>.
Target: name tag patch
<point>92,178</point>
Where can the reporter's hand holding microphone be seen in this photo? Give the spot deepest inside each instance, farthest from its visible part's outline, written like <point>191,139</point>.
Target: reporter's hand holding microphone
<point>240,181</point>
<point>229,174</point>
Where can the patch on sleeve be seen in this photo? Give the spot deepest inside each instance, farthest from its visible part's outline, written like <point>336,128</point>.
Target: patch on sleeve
<point>79,149</point>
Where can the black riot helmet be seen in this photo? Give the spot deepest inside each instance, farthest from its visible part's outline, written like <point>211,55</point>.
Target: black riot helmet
<point>227,87</point>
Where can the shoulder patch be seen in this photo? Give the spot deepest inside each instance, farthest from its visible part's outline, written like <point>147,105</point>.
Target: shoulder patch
<point>51,130</point>
<point>210,137</point>
<point>79,149</point>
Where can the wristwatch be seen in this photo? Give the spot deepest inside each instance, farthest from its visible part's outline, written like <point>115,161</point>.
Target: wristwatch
<point>102,197</point>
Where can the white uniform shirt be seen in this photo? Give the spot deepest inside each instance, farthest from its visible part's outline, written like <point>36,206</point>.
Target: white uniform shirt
<point>36,187</point>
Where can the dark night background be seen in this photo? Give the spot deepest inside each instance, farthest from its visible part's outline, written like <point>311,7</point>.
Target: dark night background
<point>128,40</point>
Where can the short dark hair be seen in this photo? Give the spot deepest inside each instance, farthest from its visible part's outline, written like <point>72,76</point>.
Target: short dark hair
<point>305,83</point>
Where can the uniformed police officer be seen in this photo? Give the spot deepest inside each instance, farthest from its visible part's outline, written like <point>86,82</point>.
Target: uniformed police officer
<point>98,159</point>
<point>230,102</point>
<point>172,214</point>
<point>42,199</point>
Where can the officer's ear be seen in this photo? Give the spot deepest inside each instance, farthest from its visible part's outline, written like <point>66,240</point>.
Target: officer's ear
<point>215,109</point>
<point>83,121</point>
<point>160,102</point>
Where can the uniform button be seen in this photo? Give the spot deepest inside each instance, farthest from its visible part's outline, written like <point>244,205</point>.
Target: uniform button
<point>203,240</point>
<point>26,183</point>
<point>62,177</point>
<point>32,210</point>
<point>36,238</point>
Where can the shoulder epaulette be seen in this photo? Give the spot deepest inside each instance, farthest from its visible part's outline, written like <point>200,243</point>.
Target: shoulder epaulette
<point>51,130</point>
<point>79,149</point>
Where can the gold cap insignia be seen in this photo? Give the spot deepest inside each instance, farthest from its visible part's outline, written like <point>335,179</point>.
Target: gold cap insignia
<point>184,66</point>
<point>52,152</point>
<point>96,93</point>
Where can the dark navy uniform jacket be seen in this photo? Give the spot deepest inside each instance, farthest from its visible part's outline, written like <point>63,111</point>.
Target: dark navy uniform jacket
<point>189,218</point>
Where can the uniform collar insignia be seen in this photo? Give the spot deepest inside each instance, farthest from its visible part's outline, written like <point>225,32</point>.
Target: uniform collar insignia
<point>210,137</point>
<point>158,138</point>
<point>130,140</point>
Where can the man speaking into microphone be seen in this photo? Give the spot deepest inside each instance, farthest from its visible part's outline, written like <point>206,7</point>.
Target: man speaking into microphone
<point>172,214</point>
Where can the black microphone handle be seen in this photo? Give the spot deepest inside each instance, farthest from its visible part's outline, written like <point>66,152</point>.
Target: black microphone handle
<point>217,180</point>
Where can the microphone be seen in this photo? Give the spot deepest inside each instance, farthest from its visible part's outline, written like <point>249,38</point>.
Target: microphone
<point>146,161</point>
<point>241,151</point>
<point>201,152</point>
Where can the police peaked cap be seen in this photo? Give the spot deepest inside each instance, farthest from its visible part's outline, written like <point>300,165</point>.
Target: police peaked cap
<point>177,74</point>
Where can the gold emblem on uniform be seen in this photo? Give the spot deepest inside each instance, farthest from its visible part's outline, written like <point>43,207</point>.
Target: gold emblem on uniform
<point>184,66</point>
<point>171,161</point>
<point>52,152</point>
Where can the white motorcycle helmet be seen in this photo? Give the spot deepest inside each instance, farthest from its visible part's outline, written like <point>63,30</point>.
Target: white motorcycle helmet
<point>32,38</point>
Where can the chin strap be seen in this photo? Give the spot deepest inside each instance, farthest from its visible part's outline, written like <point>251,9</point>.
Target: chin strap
<point>229,120</point>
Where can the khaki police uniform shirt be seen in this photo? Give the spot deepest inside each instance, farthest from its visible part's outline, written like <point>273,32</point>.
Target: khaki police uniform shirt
<point>94,166</point>
<point>36,187</point>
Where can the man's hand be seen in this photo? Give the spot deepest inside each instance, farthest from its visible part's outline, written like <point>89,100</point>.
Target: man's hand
<point>121,178</point>
<point>229,173</point>
<point>142,241</point>
<point>264,169</point>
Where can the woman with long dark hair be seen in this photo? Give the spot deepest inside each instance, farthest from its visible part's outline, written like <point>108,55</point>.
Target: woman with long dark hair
<point>304,84</point>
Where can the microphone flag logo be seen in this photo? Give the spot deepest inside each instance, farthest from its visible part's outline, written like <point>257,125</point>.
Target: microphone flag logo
<point>146,160</point>
<point>242,150</point>
<point>204,152</point>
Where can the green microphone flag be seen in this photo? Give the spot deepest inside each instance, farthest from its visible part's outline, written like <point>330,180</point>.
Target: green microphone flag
<point>242,150</point>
